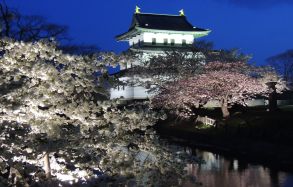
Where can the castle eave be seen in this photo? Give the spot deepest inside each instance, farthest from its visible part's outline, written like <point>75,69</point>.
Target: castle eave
<point>127,35</point>
<point>197,33</point>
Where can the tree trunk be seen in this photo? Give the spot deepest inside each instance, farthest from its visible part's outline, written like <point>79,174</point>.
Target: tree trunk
<point>224,107</point>
<point>47,167</point>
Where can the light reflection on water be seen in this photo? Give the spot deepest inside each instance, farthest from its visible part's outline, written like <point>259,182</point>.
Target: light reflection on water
<point>220,171</point>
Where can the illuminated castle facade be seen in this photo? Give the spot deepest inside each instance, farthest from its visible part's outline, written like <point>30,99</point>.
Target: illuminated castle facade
<point>153,34</point>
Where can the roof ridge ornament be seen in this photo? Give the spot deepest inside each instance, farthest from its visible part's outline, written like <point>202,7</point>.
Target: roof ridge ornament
<point>137,10</point>
<point>182,12</point>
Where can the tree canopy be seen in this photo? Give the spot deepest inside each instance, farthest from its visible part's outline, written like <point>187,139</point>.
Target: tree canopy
<point>227,83</point>
<point>50,101</point>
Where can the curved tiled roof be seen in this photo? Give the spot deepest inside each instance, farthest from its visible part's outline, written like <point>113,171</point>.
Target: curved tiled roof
<point>163,22</point>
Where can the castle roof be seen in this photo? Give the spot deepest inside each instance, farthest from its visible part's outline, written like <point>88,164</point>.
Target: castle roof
<point>163,22</point>
<point>143,22</point>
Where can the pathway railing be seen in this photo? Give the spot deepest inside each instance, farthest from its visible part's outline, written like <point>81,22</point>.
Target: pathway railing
<point>206,120</point>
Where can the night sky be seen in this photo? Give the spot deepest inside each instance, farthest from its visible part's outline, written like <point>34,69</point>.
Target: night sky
<point>259,27</point>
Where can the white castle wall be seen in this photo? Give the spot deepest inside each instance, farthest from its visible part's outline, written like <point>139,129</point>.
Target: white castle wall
<point>135,39</point>
<point>130,92</point>
<point>148,37</point>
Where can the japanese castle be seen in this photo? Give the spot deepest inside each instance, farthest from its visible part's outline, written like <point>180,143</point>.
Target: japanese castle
<point>153,34</point>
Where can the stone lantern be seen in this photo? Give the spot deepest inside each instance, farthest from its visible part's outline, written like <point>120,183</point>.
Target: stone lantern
<point>272,96</point>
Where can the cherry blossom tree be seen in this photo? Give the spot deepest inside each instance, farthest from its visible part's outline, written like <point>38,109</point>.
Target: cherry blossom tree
<point>235,66</point>
<point>227,56</point>
<point>112,149</point>
<point>44,88</point>
<point>42,85</point>
<point>159,69</point>
<point>171,66</point>
<point>52,102</point>
<point>264,74</point>
<point>227,83</point>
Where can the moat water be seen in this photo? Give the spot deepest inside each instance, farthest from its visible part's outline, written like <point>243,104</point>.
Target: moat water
<point>225,171</point>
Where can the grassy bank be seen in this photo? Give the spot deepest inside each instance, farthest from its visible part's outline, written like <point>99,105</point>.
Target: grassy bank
<point>253,133</point>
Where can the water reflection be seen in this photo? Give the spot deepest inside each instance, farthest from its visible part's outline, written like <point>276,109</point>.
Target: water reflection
<point>220,171</point>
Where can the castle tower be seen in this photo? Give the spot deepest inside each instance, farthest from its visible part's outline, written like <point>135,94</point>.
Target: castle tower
<point>153,35</point>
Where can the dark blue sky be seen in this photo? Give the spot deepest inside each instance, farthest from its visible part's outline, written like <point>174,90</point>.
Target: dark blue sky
<point>259,27</point>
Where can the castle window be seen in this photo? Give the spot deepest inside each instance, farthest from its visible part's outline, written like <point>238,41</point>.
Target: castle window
<point>154,41</point>
<point>172,42</point>
<point>183,42</point>
<point>165,41</point>
<point>139,43</point>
